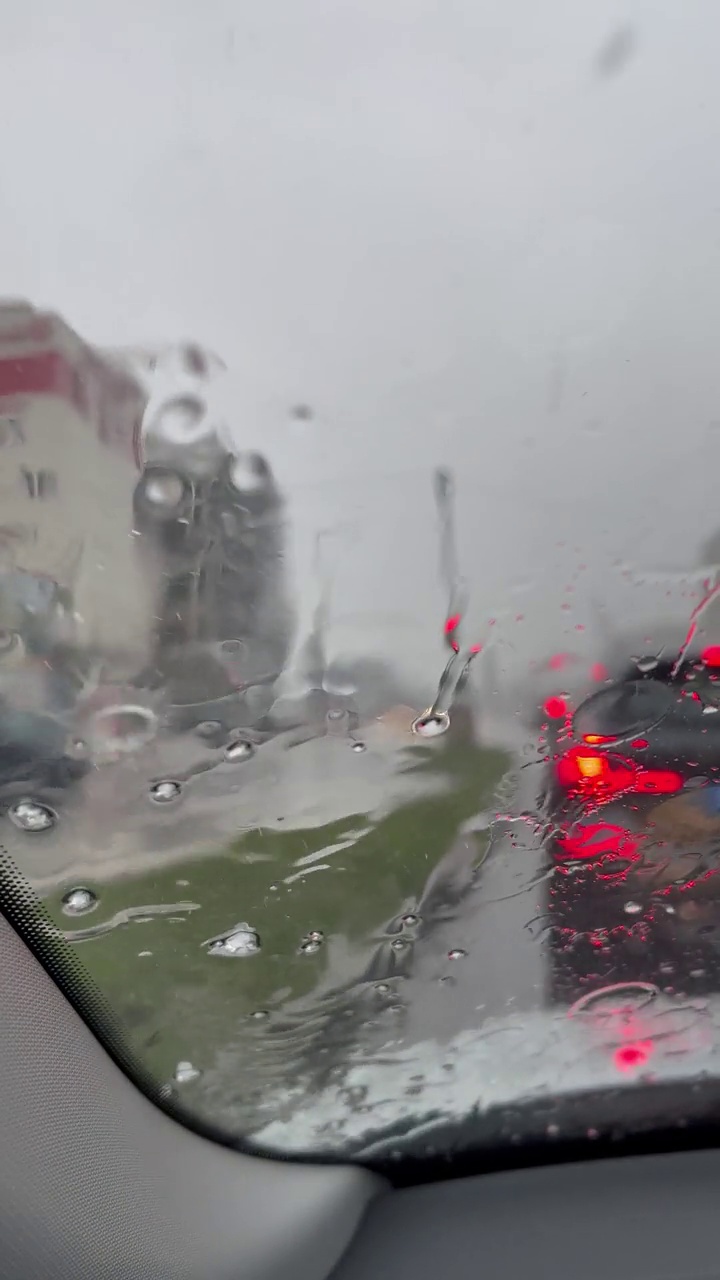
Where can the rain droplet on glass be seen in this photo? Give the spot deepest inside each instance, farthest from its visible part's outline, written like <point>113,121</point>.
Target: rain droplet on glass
<point>208,728</point>
<point>238,750</point>
<point>122,728</point>
<point>232,648</point>
<point>9,642</point>
<point>181,420</point>
<point>358,747</point>
<point>241,940</point>
<point>646,663</point>
<point>185,1072</point>
<point>457,953</point>
<point>32,816</point>
<point>248,472</point>
<point>163,489</point>
<point>338,684</point>
<point>78,901</point>
<point>312,942</point>
<point>431,724</point>
<point>165,791</point>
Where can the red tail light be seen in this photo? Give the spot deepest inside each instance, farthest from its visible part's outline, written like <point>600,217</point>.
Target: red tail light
<point>595,773</point>
<point>592,771</point>
<point>630,1056</point>
<point>555,707</point>
<point>597,840</point>
<point>658,782</point>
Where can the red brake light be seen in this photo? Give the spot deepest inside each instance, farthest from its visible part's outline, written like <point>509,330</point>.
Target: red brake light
<point>658,781</point>
<point>711,655</point>
<point>555,708</point>
<point>596,739</point>
<point>630,1056</point>
<point>591,766</point>
<point>593,772</point>
<point>590,840</point>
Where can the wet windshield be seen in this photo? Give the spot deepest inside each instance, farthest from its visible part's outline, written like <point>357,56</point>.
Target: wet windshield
<point>359,556</point>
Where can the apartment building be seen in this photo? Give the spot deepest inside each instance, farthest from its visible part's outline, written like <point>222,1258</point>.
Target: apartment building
<point>70,454</point>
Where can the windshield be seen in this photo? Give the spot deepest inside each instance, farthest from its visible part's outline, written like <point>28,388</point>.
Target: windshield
<point>359,604</point>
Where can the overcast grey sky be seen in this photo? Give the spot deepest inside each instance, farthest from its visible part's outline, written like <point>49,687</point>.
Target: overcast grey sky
<point>466,232</point>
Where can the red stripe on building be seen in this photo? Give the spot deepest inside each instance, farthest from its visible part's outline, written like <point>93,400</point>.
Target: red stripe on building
<point>109,399</point>
<point>47,373</point>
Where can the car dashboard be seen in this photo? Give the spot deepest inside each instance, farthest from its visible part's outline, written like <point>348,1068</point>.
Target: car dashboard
<point>96,1182</point>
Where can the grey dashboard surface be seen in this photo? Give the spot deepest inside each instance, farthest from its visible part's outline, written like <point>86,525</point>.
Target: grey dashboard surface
<point>634,1218</point>
<point>96,1183</point>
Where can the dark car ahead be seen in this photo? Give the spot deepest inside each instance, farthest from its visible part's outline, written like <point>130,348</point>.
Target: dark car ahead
<point>633,810</point>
